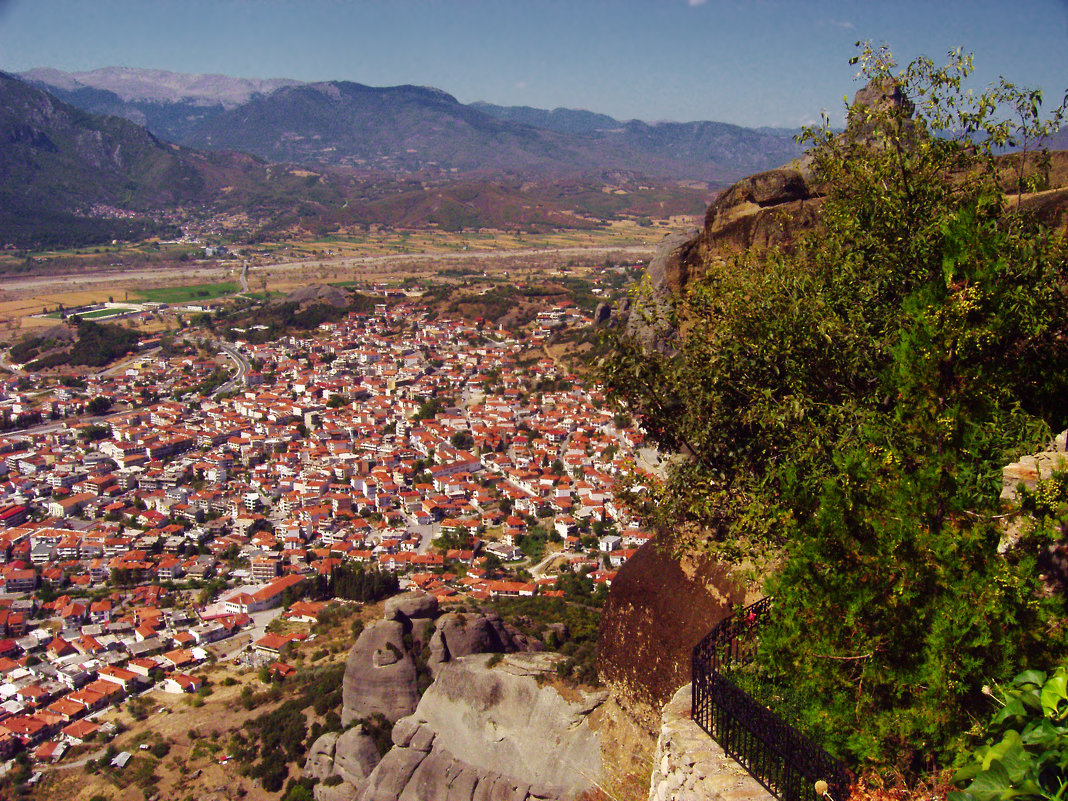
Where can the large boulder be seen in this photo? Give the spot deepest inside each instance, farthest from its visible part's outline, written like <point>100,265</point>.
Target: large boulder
<point>380,675</point>
<point>493,731</point>
<point>351,755</point>
<point>320,760</point>
<point>659,607</point>
<point>412,605</point>
<point>355,755</point>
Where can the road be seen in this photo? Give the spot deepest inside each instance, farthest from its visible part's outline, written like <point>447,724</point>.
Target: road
<point>538,571</point>
<point>243,366</point>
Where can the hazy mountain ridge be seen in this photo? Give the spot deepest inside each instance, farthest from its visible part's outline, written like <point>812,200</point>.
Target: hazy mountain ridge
<point>411,128</point>
<point>69,177</point>
<point>160,86</point>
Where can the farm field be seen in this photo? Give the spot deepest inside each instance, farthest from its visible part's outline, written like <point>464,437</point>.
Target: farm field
<point>188,294</point>
<point>381,257</point>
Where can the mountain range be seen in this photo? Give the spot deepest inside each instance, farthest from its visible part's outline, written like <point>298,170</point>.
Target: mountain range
<point>69,177</point>
<point>409,129</point>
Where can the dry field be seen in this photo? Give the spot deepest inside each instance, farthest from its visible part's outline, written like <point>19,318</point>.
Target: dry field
<point>389,257</point>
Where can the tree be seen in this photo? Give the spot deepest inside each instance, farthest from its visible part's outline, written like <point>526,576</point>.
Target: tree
<point>462,440</point>
<point>847,404</point>
<point>99,405</point>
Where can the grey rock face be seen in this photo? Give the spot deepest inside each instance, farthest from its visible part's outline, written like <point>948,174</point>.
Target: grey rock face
<point>498,732</point>
<point>410,606</point>
<point>352,755</point>
<point>380,675</point>
<point>649,318</point>
<point>355,756</point>
<point>464,635</point>
<point>320,761</point>
<point>602,314</point>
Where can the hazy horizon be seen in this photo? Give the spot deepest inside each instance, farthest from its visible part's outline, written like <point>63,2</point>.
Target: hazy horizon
<point>771,63</point>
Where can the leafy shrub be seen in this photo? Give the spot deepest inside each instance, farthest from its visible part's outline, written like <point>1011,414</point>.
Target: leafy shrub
<point>1025,755</point>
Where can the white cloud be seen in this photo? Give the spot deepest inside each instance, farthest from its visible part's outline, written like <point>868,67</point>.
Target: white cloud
<point>695,3</point>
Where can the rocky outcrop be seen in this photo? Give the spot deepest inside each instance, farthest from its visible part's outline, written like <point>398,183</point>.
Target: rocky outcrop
<point>689,764</point>
<point>493,731</point>
<point>1034,467</point>
<point>382,669</point>
<point>391,662</point>
<point>764,211</point>
<point>410,606</point>
<point>668,271</point>
<point>350,755</point>
<point>772,209</point>
<point>380,674</point>
<point>659,607</point>
<point>458,634</point>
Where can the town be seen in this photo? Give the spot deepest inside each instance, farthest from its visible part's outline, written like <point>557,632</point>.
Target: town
<point>139,544</point>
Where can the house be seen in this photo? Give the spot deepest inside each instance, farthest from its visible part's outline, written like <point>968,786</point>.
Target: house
<point>69,710</point>
<point>267,598</point>
<point>142,666</point>
<point>182,683</point>
<point>79,731</point>
<point>50,751</point>
<point>126,679</point>
<point>179,657</point>
<point>305,611</point>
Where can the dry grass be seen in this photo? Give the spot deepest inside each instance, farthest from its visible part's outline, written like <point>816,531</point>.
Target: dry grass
<point>930,788</point>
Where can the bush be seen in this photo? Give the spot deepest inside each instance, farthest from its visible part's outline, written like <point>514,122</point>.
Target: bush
<point>1025,755</point>
<point>160,749</point>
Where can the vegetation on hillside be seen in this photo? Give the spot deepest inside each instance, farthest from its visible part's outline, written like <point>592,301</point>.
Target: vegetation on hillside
<point>846,408</point>
<point>97,344</point>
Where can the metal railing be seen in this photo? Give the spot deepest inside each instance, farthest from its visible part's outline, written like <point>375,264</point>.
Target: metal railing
<point>786,762</point>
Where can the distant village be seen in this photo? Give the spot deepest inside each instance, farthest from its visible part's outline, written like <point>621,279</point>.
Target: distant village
<point>454,454</point>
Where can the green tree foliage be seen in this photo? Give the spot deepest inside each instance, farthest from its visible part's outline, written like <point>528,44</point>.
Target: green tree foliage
<point>274,739</point>
<point>355,583</point>
<point>99,405</point>
<point>847,405</point>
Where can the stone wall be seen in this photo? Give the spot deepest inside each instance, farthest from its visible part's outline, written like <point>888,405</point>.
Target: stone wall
<point>690,766</point>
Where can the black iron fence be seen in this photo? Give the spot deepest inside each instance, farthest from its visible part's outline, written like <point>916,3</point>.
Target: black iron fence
<point>776,754</point>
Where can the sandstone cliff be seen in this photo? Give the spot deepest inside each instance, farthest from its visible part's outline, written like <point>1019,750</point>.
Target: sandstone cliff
<point>392,662</point>
<point>493,731</point>
<point>660,606</point>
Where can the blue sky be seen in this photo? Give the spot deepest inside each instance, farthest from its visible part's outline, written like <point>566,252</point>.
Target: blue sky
<point>750,62</point>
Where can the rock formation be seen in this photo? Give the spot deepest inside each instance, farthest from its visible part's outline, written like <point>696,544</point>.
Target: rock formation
<point>490,731</point>
<point>771,209</point>
<point>350,755</point>
<point>392,661</point>
<point>380,674</point>
<point>659,608</point>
